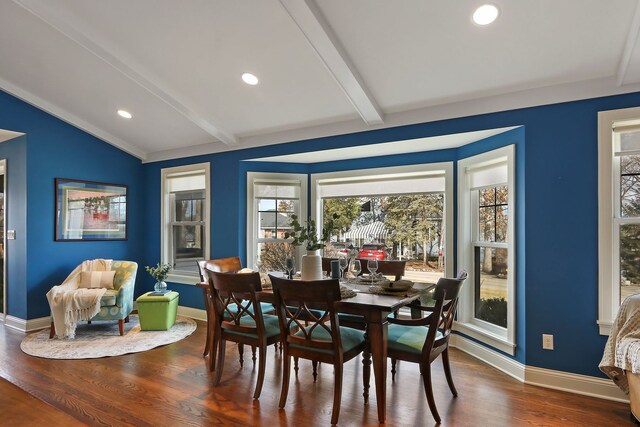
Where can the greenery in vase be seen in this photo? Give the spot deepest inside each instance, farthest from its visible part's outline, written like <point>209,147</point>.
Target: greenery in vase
<point>159,272</point>
<point>309,233</point>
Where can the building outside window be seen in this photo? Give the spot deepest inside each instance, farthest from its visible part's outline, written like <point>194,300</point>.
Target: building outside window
<point>185,236</point>
<point>271,200</point>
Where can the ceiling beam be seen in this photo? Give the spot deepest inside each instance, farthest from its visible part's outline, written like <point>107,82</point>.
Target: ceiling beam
<point>308,17</point>
<point>629,47</point>
<point>48,13</point>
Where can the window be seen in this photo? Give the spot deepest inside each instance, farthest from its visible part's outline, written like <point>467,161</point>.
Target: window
<point>486,243</point>
<point>185,219</point>
<point>271,200</point>
<point>618,211</point>
<point>391,213</point>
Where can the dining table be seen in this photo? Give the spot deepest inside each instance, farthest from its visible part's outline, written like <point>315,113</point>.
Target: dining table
<point>374,308</point>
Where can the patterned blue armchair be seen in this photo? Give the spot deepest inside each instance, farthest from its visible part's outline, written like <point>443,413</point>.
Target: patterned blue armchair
<point>117,303</point>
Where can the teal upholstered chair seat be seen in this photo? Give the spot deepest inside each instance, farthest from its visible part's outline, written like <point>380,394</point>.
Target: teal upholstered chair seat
<point>271,326</point>
<point>109,298</point>
<point>351,338</point>
<point>409,339</point>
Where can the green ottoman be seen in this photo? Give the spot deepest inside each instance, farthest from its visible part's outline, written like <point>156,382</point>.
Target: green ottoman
<point>157,312</point>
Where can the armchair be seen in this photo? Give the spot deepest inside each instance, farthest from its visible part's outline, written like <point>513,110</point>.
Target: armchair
<point>116,303</point>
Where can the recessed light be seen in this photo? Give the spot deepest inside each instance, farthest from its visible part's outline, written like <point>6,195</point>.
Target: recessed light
<point>486,14</point>
<point>250,79</point>
<point>125,114</point>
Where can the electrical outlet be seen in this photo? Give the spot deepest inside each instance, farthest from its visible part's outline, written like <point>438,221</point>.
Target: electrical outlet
<point>11,234</point>
<point>547,342</point>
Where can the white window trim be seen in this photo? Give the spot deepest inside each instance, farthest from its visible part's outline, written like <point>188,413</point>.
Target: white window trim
<point>608,250</point>
<point>165,223</point>
<point>252,208</point>
<point>318,179</point>
<point>503,339</point>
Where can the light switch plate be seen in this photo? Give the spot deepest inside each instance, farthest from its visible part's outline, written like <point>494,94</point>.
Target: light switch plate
<point>11,234</point>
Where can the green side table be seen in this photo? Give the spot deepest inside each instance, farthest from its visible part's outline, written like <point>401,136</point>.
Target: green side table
<point>157,312</point>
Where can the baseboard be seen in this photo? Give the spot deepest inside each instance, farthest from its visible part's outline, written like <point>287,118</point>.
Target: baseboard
<point>547,378</point>
<point>27,325</point>
<point>574,383</point>
<point>194,313</point>
<point>499,361</point>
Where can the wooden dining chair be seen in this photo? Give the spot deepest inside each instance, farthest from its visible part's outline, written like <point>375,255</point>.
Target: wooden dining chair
<point>387,268</point>
<point>238,317</point>
<point>423,340</point>
<point>322,339</point>
<point>222,265</point>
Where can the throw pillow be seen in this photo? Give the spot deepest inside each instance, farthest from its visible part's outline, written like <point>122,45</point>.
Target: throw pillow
<point>97,279</point>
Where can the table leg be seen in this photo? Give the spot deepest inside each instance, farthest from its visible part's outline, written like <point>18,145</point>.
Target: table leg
<point>377,331</point>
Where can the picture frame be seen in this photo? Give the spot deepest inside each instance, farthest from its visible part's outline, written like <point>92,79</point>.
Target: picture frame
<point>89,211</point>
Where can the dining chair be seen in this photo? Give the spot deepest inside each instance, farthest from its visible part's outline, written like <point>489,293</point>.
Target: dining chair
<point>322,339</point>
<point>423,340</point>
<point>238,318</point>
<point>222,265</point>
<point>388,268</point>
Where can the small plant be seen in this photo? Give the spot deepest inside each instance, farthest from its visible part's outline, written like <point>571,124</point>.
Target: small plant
<point>309,233</point>
<point>159,272</point>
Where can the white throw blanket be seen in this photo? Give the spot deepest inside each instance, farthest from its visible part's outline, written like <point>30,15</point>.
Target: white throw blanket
<point>70,304</point>
<point>622,351</point>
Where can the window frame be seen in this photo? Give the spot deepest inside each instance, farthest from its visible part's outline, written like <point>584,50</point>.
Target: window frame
<point>503,339</point>
<point>397,172</point>
<point>254,178</point>
<point>609,218</point>
<point>166,232</point>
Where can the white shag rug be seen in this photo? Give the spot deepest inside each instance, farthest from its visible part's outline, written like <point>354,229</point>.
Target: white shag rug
<point>102,339</point>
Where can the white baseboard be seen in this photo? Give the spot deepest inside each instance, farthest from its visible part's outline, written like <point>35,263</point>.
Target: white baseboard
<point>548,378</point>
<point>27,325</point>
<point>194,313</point>
<point>511,367</point>
<point>574,383</point>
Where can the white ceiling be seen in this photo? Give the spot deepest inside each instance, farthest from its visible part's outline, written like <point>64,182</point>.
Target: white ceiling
<point>325,67</point>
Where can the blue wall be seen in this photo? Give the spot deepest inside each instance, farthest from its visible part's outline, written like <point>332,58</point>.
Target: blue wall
<point>557,287</point>
<point>55,149</point>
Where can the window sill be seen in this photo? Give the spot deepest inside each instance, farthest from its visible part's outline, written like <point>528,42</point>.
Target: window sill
<point>604,327</point>
<point>486,337</point>
<point>184,278</point>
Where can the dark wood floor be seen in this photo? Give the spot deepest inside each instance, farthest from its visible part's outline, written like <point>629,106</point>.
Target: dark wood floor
<point>171,386</point>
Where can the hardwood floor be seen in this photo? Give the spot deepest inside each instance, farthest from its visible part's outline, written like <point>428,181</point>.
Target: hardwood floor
<point>171,386</point>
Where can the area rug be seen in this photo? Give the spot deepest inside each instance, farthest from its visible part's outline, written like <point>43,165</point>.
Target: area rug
<point>102,339</point>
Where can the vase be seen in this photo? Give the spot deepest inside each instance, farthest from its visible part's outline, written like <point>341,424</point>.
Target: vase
<point>160,286</point>
<point>311,266</point>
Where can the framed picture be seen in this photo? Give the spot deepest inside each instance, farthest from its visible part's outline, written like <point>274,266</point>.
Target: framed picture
<point>88,210</point>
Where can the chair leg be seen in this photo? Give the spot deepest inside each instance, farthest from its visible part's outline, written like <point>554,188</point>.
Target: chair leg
<point>222,344</point>
<point>447,372</point>
<point>126,319</point>
<point>253,354</point>
<point>261,368</point>
<point>337,393</point>
<point>241,354</point>
<point>366,374</point>
<point>426,380</point>
<point>295,365</point>
<point>120,326</point>
<point>286,374</point>
<point>213,350</point>
<point>315,370</point>
<point>52,331</point>
<point>393,369</point>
